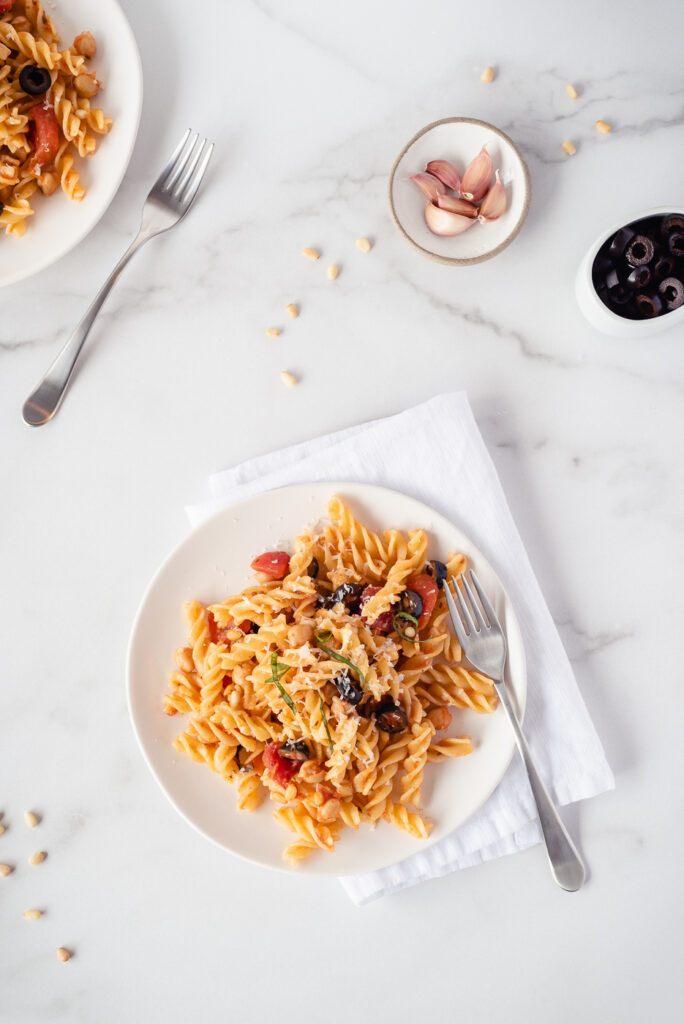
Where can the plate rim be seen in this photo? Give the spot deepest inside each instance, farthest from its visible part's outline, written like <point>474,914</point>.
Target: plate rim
<point>466,261</point>
<point>71,242</point>
<point>334,487</point>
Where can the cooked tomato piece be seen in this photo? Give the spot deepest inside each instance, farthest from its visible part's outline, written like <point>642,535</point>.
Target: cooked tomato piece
<point>279,768</point>
<point>46,136</point>
<point>383,623</point>
<point>5,6</point>
<point>220,636</point>
<point>272,563</point>
<point>427,590</point>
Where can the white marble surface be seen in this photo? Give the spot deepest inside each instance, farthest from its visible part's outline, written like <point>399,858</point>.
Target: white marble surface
<point>309,103</point>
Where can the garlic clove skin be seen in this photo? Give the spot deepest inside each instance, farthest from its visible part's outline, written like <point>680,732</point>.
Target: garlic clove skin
<point>446,172</point>
<point>445,223</point>
<point>494,203</point>
<point>477,177</point>
<point>429,185</point>
<point>454,204</point>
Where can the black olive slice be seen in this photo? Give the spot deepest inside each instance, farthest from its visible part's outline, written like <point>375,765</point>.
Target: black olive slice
<point>638,278</point>
<point>390,717</point>
<point>671,292</point>
<point>664,267</point>
<point>34,80</point>
<point>676,243</point>
<point>648,305</point>
<point>673,222</point>
<point>640,251</point>
<point>621,240</point>
<point>294,750</point>
<point>437,571</point>
<point>349,594</point>
<point>411,603</point>
<point>313,568</point>
<point>347,688</point>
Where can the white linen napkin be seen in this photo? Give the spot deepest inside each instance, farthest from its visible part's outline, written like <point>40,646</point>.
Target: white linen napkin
<point>435,453</point>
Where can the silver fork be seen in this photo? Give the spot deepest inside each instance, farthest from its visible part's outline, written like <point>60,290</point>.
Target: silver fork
<point>169,200</point>
<point>484,645</point>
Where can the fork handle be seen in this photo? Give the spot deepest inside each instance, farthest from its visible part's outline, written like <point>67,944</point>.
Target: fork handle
<point>566,864</point>
<point>44,400</point>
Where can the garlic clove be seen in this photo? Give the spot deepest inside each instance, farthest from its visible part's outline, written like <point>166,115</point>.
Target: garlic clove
<point>454,204</point>
<point>477,176</point>
<point>446,172</point>
<point>429,185</point>
<point>494,203</point>
<point>443,222</point>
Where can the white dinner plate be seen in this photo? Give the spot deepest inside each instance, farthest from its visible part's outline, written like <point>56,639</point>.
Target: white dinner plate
<point>59,224</point>
<point>214,562</point>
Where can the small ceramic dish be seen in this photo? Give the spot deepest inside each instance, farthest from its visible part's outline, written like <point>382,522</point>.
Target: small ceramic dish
<point>596,311</point>
<point>459,140</point>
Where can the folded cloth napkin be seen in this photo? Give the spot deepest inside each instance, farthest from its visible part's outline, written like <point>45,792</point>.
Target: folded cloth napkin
<point>435,453</point>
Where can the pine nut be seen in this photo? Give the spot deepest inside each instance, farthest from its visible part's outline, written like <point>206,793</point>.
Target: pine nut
<point>363,244</point>
<point>288,379</point>
<point>5,870</point>
<point>488,74</point>
<point>272,332</point>
<point>311,254</point>
<point>32,915</point>
<point>571,91</point>
<point>63,954</point>
<point>603,127</point>
<point>38,857</point>
<point>292,310</point>
<point>569,147</point>
<point>31,819</point>
<point>333,271</point>
<point>2,829</point>
<point>301,633</point>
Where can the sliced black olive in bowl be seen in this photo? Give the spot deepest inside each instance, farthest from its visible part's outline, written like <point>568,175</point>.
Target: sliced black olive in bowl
<point>347,688</point>
<point>390,717</point>
<point>674,222</point>
<point>671,292</point>
<point>34,80</point>
<point>294,750</point>
<point>648,305</point>
<point>437,571</point>
<point>676,243</point>
<point>638,278</point>
<point>411,603</point>
<point>621,240</point>
<point>640,251</point>
<point>664,267</point>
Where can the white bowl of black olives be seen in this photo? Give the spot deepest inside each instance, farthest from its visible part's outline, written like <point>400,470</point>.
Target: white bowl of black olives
<point>631,282</point>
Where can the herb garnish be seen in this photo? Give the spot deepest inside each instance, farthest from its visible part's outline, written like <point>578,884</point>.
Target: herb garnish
<point>325,723</point>
<point>414,622</point>
<point>277,672</point>
<point>318,637</point>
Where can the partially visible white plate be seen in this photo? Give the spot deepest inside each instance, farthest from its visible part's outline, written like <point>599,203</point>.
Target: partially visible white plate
<point>213,562</point>
<point>59,224</point>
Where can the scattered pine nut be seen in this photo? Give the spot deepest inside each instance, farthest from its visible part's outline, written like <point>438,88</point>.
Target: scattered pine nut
<point>2,829</point>
<point>333,271</point>
<point>311,254</point>
<point>63,954</point>
<point>569,147</point>
<point>38,857</point>
<point>488,74</point>
<point>31,819</point>
<point>271,332</point>
<point>292,310</point>
<point>5,870</point>
<point>363,244</point>
<point>571,91</point>
<point>603,127</point>
<point>33,915</point>
<point>288,379</point>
